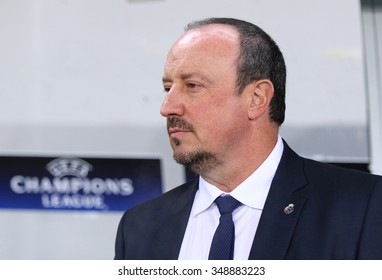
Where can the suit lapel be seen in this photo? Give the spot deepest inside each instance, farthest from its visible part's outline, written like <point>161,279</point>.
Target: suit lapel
<point>172,229</point>
<point>281,210</point>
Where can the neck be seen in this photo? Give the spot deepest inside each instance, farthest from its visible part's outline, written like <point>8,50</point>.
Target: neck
<point>241,163</point>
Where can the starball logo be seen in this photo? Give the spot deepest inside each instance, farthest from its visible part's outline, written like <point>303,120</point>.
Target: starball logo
<point>70,186</point>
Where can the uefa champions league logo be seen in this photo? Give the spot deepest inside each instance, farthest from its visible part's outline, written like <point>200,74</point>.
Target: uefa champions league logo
<point>70,186</point>
<point>62,167</point>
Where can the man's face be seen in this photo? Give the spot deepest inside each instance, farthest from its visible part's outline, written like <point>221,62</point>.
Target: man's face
<point>203,109</point>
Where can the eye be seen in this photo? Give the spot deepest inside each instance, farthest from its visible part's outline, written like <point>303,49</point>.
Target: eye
<point>191,85</point>
<point>194,86</point>
<point>166,88</point>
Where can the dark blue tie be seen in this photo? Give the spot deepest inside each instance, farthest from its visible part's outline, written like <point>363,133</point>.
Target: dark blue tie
<point>222,245</point>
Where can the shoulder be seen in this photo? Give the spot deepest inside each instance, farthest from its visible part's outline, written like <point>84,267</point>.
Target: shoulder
<point>163,204</point>
<point>332,174</point>
<point>326,181</point>
<point>343,191</point>
<point>138,225</point>
<point>321,172</point>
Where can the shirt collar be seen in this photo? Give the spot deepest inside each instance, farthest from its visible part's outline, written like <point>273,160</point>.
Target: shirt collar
<point>257,184</point>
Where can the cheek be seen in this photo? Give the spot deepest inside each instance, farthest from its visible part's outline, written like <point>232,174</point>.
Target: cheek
<point>221,123</point>
<point>218,115</point>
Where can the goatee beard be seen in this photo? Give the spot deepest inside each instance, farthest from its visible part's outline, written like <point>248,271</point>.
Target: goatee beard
<point>200,162</point>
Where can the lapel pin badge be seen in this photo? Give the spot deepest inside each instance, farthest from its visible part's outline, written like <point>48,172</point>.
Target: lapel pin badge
<point>289,209</point>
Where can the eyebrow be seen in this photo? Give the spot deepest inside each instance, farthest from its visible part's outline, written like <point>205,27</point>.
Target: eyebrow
<point>187,76</point>
<point>166,80</point>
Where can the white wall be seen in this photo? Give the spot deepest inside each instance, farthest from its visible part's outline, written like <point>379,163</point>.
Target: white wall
<point>84,78</point>
<point>372,30</point>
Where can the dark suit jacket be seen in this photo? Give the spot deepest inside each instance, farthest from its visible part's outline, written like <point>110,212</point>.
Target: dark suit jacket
<point>337,215</point>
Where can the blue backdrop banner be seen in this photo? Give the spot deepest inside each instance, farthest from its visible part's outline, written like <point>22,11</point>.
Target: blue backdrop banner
<point>72,183</point>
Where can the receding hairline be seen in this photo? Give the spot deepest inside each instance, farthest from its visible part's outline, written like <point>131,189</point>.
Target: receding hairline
<point>226,30</point>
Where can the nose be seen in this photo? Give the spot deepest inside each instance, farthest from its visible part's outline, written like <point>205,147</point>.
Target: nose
<point>172,104</point>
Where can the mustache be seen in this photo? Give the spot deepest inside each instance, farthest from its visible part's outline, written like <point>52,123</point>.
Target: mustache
<point>175,122</point>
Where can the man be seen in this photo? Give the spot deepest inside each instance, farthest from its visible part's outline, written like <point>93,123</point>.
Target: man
<point>225,100</point>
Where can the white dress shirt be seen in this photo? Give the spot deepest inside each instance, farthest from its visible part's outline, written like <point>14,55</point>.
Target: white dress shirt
<point>204,217</point>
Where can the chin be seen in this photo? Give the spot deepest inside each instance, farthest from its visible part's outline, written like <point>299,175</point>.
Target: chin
<point>200,162</point>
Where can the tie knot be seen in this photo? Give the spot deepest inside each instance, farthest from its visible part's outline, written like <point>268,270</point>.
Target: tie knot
<point>226,204</point>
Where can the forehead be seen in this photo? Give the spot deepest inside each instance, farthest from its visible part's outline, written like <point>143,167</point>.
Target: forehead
<point>221,35</point>
<point>211,45</point>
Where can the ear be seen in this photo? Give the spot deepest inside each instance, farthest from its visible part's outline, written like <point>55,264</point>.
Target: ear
<point>260,93</point>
